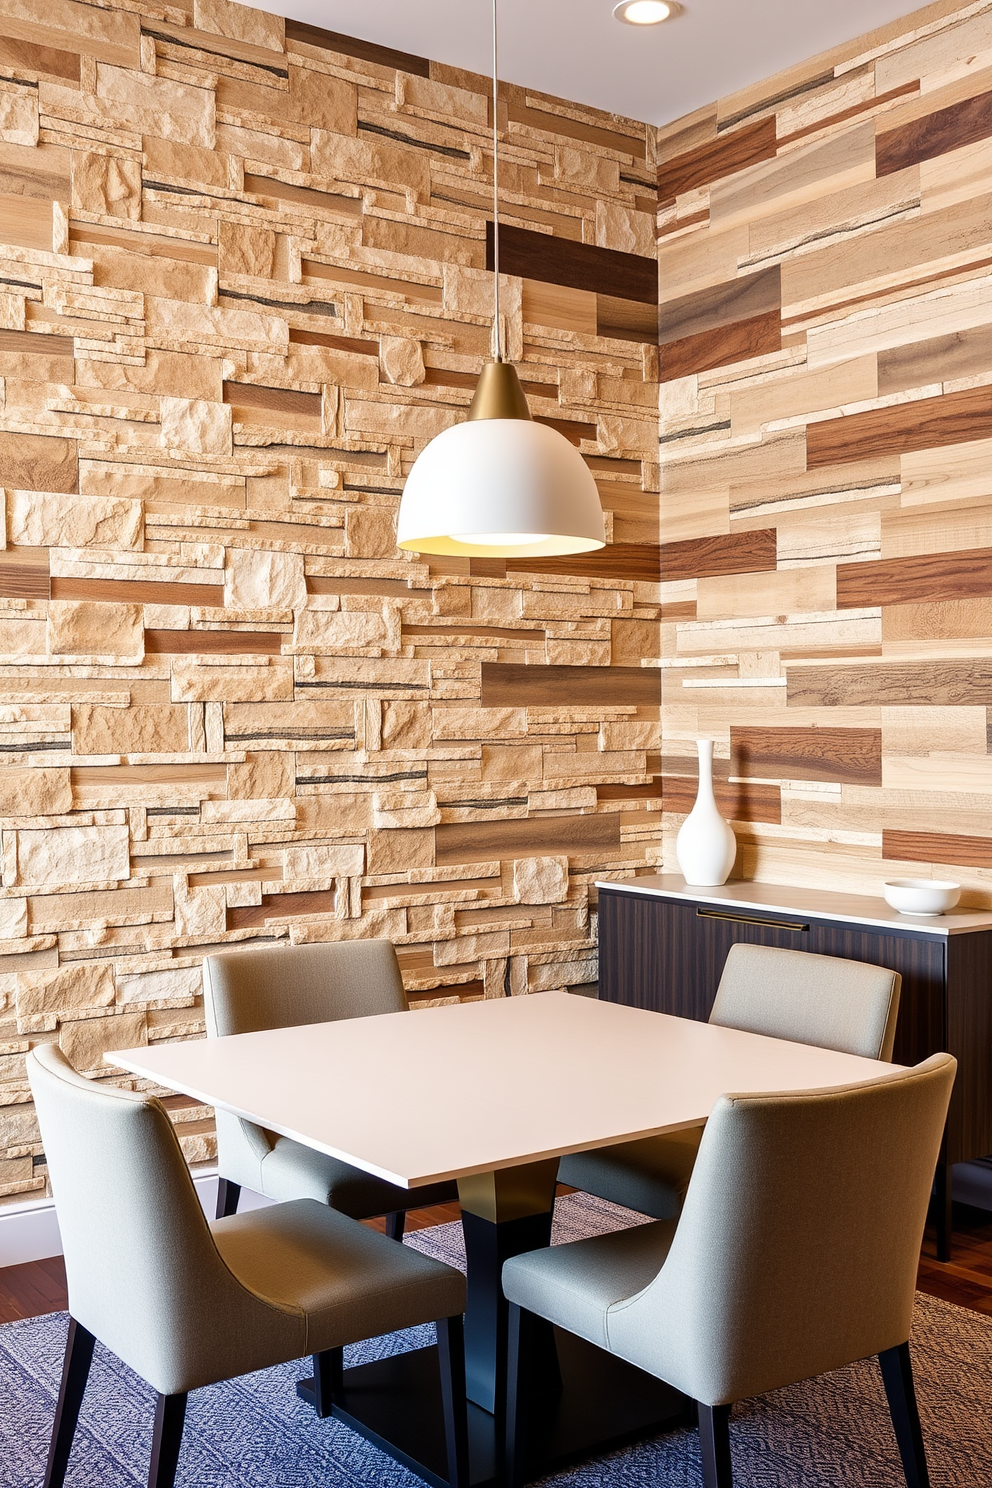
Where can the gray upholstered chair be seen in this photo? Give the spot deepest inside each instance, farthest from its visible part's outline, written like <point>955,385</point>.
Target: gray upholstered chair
<point>284,987</point>
<point>185,1303</point>
<point>795,1253</point>
<point>838,1004</point>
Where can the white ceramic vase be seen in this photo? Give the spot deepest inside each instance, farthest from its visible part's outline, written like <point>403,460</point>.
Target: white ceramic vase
<point>705,847</point>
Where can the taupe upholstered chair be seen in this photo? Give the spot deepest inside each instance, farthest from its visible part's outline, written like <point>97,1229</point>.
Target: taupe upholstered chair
<point>845,1005</point>
<point>185,1303</point>
<point>284,987</point>
<point>795,1253</point>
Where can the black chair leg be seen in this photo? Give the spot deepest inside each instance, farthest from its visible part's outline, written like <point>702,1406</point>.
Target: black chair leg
<point>451,1358</point>
<point>897,1376</point>
<point>170,1413</point>
<point>328,1380</point>
<point>395,1223</point>
<point>714,1440</point>
<point>75,1372</point>
<point>228,1194</point>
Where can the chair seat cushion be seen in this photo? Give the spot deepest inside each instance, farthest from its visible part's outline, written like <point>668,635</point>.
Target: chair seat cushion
<point>348,1281</point>
<point>575,1285</point>
<point>650,1176</point>
<point>292,1171</point>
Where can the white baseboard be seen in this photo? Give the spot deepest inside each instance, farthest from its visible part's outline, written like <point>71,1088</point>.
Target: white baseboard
<point>30,1231</point>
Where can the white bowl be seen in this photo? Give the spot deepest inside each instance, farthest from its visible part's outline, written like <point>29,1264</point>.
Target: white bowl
<point>921,896</point>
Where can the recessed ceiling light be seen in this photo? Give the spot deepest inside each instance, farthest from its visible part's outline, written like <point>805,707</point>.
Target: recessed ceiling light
<point>645,12</point>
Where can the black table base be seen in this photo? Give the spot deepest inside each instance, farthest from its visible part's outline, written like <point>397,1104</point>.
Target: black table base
<point>602,1403</point>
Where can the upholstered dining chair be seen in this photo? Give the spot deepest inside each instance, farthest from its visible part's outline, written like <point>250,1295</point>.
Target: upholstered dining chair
<point>283,987</point>
<point>795,1253</point>
<point>185,1303</point>
<point>838,1004</point>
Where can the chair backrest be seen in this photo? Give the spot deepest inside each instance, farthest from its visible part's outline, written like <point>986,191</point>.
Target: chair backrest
<point>289,985</point>
<point>825,1000</point>
<point>798,1244</point>
<point>143,1271</point>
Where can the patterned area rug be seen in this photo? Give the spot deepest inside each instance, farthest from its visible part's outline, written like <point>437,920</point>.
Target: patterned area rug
<point>253,1432</point>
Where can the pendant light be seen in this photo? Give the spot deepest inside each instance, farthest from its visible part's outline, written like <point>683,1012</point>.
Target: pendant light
<point>500,485</point>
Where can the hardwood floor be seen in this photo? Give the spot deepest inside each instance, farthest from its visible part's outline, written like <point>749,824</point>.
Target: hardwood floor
<point>39,1287</point>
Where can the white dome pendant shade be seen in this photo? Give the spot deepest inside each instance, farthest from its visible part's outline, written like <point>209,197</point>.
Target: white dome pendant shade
<point>500,485</point>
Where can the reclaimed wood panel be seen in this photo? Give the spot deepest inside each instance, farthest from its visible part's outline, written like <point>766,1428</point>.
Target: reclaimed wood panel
<point>934,134</point>
<point>717,159</point>
<point>937,847</point>
<point>848,755</point>
<point>924,423</point>
<point>944,684</point>
<point>925,579</point>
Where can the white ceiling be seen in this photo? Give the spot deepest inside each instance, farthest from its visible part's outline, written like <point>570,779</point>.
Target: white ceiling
<point>575,49</point>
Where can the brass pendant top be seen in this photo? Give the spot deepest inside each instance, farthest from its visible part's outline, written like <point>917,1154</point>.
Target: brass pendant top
<point>498,394</point>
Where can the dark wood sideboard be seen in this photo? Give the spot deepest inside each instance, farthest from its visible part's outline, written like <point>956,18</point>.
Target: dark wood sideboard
<point>662,945</point>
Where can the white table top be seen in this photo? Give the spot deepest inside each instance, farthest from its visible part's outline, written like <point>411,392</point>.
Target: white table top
<point>445,1092</point>
<point>815,904</point>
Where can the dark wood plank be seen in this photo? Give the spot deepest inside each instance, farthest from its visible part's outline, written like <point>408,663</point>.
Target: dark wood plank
<point>740,299</point>
<point>36,462</point>
<point>937,847</point>
<point>615,561</point>
<point>925,423</point>
<point>722,347</point>
<point>478,842</point>
<point>849,755</point>
<point>921,578</point>
<point>969,1038</point>
<point>925,683</point>
<point>719,157</point>
<point>935,134</point>
<point>709,557</point>
<point>535,255</point>
<point>739,800</point>
<point>511,685</point>
<point>353,46</point>
<point>212,642</point>
<point>137,591</point>
<point>272,399</point>
<point>650,792</point>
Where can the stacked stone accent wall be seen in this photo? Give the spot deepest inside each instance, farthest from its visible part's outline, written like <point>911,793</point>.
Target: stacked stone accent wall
<point>242,284</point>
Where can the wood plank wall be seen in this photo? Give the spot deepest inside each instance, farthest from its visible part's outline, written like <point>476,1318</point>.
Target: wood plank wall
<point>826,406</point>
<point>242,284</point>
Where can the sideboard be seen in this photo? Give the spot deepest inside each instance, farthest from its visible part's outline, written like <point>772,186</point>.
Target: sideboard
<point>663,944</point>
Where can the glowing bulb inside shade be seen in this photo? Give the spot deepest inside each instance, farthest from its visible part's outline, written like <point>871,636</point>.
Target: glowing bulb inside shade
<point>644,12</point>
<point>500,539</point>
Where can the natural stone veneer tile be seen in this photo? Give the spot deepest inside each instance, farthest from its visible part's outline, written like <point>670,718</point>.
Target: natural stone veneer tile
<point>244,285</point>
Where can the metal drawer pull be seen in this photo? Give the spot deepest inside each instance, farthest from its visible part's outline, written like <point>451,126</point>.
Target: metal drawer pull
<point>738,919</point>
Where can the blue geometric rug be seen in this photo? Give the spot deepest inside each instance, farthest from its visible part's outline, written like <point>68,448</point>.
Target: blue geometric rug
<point>253,1432</point>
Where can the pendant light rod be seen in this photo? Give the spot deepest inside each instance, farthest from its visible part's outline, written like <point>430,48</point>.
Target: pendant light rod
<point>497,338</point>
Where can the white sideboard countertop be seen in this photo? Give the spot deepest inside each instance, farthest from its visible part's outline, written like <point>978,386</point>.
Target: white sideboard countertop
<point>819,904</point>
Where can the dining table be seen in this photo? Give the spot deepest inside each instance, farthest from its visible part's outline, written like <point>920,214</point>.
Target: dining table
<point>491,1093</point>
